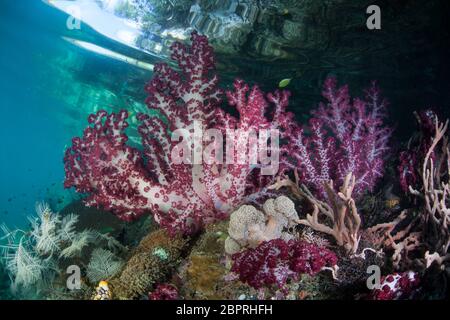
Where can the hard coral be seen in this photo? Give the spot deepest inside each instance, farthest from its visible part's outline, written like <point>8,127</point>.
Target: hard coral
<point>146,267</point>
<point>183,195</point>
<point>203,272</point>
<point>425,239</point>
<point>337,216</point>
<point>274,262</point>
<point>434,193</point>
<point>250,227</point>
<point>410,159</point>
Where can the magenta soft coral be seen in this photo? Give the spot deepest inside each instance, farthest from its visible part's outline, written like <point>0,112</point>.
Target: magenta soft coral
<point>182,196</point>
<point>343,136</point>
<point>274,262</point>
<point>164,292</point>
<point>396,286</point>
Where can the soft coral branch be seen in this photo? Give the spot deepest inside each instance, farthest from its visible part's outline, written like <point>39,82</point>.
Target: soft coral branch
<point>344,136</point>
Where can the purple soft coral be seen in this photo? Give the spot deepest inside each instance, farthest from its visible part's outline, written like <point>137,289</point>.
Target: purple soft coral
<point>344,136</point>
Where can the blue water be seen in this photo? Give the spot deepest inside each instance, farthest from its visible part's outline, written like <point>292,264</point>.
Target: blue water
<point>43,82</point>
<point>32,139</point>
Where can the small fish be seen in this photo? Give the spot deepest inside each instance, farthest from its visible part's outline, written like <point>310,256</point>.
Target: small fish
<point>284,83</point>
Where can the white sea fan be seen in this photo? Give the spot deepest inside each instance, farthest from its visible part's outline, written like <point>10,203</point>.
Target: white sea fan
<point>112,244</point>
<point>103,265</point>
<point>67,229</point>
<point>8,239</point>
<point>31,258</point>
<point>78,242</point>
<point>44,230</point>
<point>25,268</point>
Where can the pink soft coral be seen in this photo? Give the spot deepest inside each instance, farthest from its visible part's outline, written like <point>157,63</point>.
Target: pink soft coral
<point>343,136</point>
<point>164,292</point>
<point>181,195</point>
<point>273,262</point>
<point>396,286</point>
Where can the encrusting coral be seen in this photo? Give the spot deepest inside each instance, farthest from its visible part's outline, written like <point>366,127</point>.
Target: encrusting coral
<point>203,272</point>
<point>150,263</point>
<point>250,227</point>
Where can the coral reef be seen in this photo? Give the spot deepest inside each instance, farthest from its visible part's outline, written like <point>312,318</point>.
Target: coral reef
<point>182,195</point>
<point>342,156</point>
<point>391,237</point>
<point>150,263</point>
